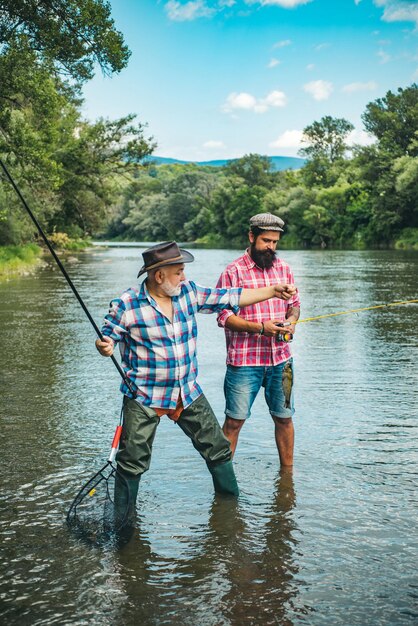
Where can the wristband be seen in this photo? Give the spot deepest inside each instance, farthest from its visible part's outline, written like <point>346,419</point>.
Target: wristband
<point>261,331</point>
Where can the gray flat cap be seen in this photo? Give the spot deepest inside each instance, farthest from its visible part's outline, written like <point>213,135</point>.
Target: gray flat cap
<point>267,221</point>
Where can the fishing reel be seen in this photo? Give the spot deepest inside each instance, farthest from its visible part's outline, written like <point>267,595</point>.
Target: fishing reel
<point>286,337</point>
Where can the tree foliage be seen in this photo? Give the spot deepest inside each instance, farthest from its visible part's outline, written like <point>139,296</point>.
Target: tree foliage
<point>393,120</point>
<point>326,139</point>
<point>71,171</point>
<point>71,34</point>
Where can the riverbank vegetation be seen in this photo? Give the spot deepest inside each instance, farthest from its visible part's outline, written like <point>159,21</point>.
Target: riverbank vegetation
<point>19,260</point>
<point>88,179</point>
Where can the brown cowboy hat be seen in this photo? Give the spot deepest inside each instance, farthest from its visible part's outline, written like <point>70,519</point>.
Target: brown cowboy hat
<point>166,253</point>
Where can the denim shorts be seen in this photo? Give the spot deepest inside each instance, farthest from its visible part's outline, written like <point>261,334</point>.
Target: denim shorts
<point>243,383</point>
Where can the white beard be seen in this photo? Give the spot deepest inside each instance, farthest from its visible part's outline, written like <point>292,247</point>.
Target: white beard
<point>169,290</point>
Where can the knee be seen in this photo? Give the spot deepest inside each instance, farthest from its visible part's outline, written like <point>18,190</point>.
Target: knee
<point>232,425</point>
<point>283,423</point>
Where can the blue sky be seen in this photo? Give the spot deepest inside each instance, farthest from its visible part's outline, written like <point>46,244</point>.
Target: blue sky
<point>223,78</point>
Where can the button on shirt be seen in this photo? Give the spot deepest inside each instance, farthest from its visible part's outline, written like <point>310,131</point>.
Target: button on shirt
<point>159,355</point>
<point>246,349</point>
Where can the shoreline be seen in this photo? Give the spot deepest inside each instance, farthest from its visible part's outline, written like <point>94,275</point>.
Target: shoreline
<point>27,259</point>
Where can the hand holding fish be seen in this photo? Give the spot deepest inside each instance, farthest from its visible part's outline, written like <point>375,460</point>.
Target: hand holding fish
<point>105,346</point>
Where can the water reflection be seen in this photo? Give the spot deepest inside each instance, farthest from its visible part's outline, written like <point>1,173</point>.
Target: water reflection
<point>232,575</point>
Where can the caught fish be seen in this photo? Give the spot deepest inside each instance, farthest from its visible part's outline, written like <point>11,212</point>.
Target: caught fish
<point>287,382</point>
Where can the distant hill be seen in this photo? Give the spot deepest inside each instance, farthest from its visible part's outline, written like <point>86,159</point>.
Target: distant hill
<point>277,162</point>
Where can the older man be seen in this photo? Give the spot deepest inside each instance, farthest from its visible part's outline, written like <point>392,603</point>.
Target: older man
<point>156,329</point>
<point>257,353</point>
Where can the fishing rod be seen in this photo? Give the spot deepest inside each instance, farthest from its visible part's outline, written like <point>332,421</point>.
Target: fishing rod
<point>64,272</point>
<point>288,336</point>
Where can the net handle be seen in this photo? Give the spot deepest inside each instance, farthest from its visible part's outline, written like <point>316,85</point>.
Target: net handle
<point>115,443</point>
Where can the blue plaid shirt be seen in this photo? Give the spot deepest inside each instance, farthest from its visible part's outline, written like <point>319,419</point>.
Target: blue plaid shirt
<point>158,355</point>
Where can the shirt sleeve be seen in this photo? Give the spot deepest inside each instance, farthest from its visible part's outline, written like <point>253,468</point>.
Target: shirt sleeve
<point>227,280</point>
<point>114,325</point>
<point>215,300</point>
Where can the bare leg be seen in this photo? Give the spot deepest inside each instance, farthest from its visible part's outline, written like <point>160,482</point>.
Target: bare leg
<point>285,440</point>
<point>231,430</point>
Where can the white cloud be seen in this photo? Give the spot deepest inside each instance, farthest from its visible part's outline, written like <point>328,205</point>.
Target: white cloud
<point>285,4</point>
<point>187,12</point>
<point>248,102</point>
<point>355,87</point>
<point>275,99</point>
<point>310,67</point>
<point>273,63</point>
<point>282,44</point>
<point>288,139</point>
<point>319,89</point>
<point>360,137</point>
<point>399,10</point>
<point>212,144</point>
<point>241,100</point>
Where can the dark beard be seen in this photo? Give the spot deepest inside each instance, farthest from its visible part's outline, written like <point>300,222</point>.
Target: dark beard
<point>264,259</point>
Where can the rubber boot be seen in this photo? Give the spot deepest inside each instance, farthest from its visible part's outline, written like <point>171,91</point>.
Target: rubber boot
<point>224,480</point>
<point>126,492</point>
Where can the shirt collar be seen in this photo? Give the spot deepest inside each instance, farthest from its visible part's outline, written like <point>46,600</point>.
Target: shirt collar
<point>248,260</point>
<point>144,294</point>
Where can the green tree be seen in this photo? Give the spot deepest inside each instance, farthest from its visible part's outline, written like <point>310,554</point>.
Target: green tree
<point>326,139</point>
<point>147,218</point>
<point>245,202</point>
<point>188,194</point>
<point>72,34</point>
<point>317,218</point>
<point>393,120</point>
<point>388,166</point>
<point>68,168</point>
<point>253,169</point>
<point>294,203</point>
<point>325,150</point>
<point>93,161</point>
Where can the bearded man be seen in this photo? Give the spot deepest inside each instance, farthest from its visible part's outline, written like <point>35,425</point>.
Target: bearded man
<point>257,353</point>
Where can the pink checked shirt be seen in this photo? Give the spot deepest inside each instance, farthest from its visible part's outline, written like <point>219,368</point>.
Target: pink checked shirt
<point>251,348</point>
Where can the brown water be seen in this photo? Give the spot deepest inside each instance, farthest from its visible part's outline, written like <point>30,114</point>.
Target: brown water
<point>334,543</point>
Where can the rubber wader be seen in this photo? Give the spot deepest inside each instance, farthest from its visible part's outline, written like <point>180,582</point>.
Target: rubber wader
<point>223,477</point>
<point>126,492</point>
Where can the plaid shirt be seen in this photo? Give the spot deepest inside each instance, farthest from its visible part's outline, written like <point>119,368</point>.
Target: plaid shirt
<point>251,348</point>
<point>159,356</point>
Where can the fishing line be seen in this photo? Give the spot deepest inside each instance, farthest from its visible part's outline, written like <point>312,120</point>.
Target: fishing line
<point>287,336</point>
<point>64,272</point>
<point>366,308</point>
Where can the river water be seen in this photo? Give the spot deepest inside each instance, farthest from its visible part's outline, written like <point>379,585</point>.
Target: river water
<point>333,543</point>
